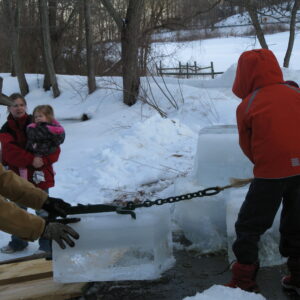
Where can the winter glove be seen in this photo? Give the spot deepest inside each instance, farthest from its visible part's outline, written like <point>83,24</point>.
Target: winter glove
<point>61,233</point>
<point>56,207</point>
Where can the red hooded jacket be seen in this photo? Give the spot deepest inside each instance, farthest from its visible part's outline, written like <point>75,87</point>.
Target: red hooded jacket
<point>13,140</point>
<point>268,118</point>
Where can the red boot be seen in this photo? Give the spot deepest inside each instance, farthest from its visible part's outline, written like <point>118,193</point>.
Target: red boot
<point>292,282</point>
<point>243,277</point>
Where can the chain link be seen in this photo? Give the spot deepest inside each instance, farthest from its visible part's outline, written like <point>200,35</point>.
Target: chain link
<point>148,203</point>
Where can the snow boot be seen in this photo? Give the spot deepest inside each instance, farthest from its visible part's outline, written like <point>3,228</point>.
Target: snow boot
<point>292,281</point>
<point>243,277</point>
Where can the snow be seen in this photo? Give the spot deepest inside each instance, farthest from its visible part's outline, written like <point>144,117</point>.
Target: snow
<point>217,292</point>
<point>223,52</point>
<point>125,152</point>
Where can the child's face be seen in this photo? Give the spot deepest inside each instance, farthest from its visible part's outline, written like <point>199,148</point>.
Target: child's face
<point>40,117</point>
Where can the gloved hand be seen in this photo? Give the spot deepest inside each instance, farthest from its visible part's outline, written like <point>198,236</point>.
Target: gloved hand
<point>56,207</point>
<point>60,233</point>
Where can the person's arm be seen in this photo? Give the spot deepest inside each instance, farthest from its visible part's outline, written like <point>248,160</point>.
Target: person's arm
<point>244,133</point>
<point>20,190</point>
<point>14,155</point>
<point>51,158</point>
<point>19,222</point>
<point>15,220</point>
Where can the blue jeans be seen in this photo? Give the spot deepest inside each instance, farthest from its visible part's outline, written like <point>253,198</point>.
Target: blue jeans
<point>44,244</point>
<point>18,244</point>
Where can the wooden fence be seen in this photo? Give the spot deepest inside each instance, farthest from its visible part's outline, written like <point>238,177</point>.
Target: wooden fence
<point>187,70</point>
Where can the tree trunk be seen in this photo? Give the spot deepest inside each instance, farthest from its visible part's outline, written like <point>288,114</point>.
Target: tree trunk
<point>43,7</point>
<point>46,83</point>
<point>1,84</point>
<point>80,33</point>
<point>288,54</point>
<point>251,8</point>
<point>130,31</point>
<point>54,38</point>
<point>13,24</point>
<point>130,45</point>
<point>89,48</point>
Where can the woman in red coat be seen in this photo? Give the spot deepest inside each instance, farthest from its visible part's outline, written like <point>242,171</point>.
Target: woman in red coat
<point>23,162</point>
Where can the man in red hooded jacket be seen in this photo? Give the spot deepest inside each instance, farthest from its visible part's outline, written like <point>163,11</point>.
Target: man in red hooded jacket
<point>268,121</point>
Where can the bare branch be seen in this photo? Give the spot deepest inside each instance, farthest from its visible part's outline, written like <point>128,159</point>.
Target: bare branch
<point>114,14</point>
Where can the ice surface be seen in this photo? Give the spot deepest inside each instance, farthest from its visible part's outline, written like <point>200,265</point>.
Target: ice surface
<point>202,220</point>
<point>268,246</point>
<point>117,247</point>
<point>219,156</point>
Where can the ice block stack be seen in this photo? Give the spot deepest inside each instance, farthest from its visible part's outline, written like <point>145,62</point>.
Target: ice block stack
<point>202,220</point>
<point>219,156</point>
<point>117,247</point>
<point>208,222</point>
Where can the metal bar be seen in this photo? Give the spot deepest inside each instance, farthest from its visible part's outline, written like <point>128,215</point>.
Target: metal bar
<point>90,208</point>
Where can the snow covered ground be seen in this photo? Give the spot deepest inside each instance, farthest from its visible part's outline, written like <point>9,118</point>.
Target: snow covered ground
<point>131,152</point>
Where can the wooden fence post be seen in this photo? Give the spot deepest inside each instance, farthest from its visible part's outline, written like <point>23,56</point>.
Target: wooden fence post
<point>212,70</point>
<point>187,70</point>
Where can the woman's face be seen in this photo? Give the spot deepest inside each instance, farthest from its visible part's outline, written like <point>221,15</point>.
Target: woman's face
<point>18,110</point>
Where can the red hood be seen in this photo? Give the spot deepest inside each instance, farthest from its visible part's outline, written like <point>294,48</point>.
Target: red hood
<point>256,69</point>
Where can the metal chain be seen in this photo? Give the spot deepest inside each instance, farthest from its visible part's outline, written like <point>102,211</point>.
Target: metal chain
<point>202,193</point>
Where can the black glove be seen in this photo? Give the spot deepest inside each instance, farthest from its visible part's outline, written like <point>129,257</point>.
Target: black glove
<point>61,233</point>
<point>56,207</point>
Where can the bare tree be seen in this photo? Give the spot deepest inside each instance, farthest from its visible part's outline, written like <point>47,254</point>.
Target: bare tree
<point>288,54</point>
<point>47,54</point>
<point>252,10</point>
<point>12,15</point>
<point>89,47</point>
<point>130,32</point>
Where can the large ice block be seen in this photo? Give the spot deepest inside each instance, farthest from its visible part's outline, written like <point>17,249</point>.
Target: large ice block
<point>219,156</point>
<point>202,220</point>
<point>117,247</point>
<point>268,246</point>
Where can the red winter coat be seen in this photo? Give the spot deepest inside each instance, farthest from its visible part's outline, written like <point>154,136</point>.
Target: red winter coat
<point>268,118</point>
<point>13,140</point>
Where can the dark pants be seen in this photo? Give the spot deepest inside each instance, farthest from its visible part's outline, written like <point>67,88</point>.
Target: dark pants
<point>44,244</point>
<point>18,244</point>
<point>257,215</point>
